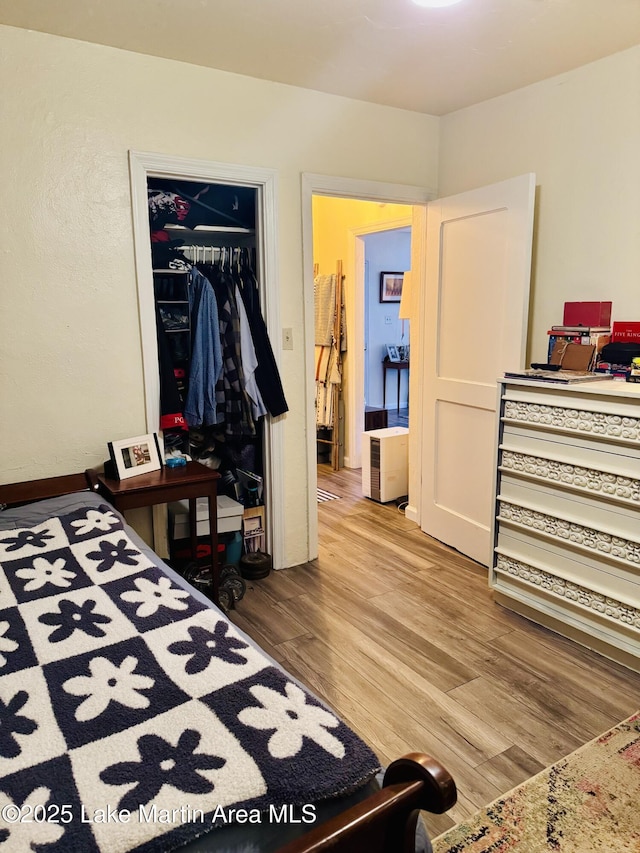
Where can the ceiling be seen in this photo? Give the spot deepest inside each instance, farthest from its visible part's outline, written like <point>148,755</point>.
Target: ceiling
<point>388,52</point>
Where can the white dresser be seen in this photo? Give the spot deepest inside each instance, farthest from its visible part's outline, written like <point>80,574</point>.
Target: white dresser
<point>567,529</point>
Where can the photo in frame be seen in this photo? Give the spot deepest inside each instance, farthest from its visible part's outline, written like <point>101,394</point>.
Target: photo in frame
<point>391,286</point>
<point>393,353</point>
<point>133,456</point>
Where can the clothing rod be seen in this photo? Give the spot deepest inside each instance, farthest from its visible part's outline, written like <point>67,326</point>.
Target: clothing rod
<point>196,253</point>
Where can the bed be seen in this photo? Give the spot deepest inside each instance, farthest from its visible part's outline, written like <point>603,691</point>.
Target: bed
<point>135,716</point>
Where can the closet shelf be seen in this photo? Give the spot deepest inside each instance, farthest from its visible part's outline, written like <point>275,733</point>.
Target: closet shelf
<point>215,236</point>
<point>208,229</point>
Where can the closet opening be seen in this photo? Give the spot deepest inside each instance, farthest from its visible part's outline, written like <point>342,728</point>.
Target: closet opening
<point>206,287</point>
<point>218,375</point>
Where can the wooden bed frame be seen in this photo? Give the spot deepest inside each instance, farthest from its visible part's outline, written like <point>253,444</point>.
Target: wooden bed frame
<point>386,821</point>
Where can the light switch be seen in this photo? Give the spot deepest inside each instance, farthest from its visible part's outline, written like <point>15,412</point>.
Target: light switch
<point>287,339</point>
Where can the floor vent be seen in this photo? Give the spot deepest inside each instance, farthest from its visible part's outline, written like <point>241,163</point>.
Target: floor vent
<point>326,496</point>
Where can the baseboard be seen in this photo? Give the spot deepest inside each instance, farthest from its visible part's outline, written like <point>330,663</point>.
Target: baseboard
<point>411,512</point>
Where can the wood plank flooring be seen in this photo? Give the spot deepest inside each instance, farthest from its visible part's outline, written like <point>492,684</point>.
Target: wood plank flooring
<point>400,635</point>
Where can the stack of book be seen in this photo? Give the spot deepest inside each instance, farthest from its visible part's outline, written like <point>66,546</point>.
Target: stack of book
<point>626,332</point>
<point>597,336</point>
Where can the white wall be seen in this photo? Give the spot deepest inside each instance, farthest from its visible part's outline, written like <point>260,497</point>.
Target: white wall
<point>71,373</point>
<point>580,133</point>
<point>70,366</point>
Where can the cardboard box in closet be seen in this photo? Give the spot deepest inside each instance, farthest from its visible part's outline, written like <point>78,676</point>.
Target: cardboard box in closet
<point>229,516</point>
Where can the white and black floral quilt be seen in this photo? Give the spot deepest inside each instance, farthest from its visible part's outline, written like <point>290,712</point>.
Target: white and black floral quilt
<point>132,714</point>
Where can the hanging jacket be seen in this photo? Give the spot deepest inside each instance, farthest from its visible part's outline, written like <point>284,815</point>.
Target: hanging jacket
<point>249,359</point>
<point>234,406</point>
<point>266,374</point>
<point>206,353</point>
<point>171,416</point>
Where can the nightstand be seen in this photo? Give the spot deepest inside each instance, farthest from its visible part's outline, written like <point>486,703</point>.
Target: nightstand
<point>170,484</point>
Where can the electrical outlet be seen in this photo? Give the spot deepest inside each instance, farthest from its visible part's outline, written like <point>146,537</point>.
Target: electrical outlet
<point>387,321</point>
<point>287,339</point>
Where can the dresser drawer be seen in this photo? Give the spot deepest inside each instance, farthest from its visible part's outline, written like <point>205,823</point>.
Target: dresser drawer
<point>584,468</point>
<point>615,579</point>
<point>598,514</point>
<point>608,417</point>
<point>594,620</point>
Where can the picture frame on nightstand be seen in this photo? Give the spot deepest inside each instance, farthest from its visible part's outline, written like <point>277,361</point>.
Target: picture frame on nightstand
<point>134,456</point>
<point>393,353</point>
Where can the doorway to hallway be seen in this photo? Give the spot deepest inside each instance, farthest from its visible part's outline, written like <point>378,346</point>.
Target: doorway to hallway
<point>363,207</point>
<point>369,240</point>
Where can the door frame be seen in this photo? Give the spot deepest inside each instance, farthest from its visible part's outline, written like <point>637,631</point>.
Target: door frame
<point>315,184</point>
<point>144,165</point>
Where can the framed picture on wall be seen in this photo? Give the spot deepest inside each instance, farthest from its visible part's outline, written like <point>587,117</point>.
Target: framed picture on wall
<point>133,456</point>
<point>391,286</point>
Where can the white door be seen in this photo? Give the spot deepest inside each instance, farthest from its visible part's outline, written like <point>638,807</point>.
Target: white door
<point>477,300</point>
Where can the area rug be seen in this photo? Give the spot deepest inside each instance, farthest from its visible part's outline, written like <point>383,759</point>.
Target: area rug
<point>327,496</point>
<point>588,801</point>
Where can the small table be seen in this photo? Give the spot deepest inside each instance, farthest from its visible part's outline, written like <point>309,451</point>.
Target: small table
<point>171,484</point>
<point>398,366</point>
<point>375,418</point>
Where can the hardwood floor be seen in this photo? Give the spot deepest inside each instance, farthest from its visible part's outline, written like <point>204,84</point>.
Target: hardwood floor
<point>395,418</point>
<point>399,634</point>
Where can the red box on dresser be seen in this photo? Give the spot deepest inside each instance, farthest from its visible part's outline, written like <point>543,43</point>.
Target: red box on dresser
<point>587,314</point>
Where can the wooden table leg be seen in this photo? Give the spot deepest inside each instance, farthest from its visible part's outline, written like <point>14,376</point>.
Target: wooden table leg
<point>193,527</point>
<point>213,534</point>
<point>384,386</point>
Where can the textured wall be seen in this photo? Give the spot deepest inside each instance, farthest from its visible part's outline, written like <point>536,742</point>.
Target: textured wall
<point>71,373</point>
<point>580,133</point>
